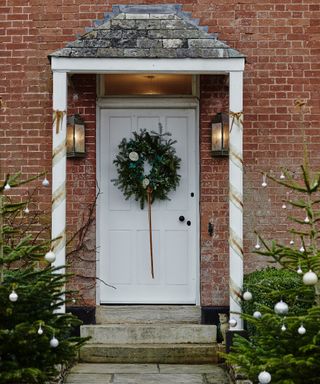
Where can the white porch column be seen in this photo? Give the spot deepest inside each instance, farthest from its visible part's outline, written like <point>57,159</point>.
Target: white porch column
<point>59,136</point>
<point>236,195</point>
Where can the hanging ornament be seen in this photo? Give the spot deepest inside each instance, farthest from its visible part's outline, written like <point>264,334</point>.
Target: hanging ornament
<point>283,328</point>
<point>310,278</point>
<point>257,315</point>
<point>133,156</point>
<point>282,176</point>
<point>284,206</point>
<point>40,330</point>
<point>302,330</point>
<point>264,180</point>
<point>291,242</point>
<point>257,246</point>
<point>7,186</point>
<point>45,181</point>
<point>281,308</point>
<point>264,377</point>
<point>233,322</point>
<point>145,182</point>
<point>247,296</point>
<point>54,342</point>
<point>50,256</point>
<point>306,220</point>
<point>74,301</point>
<point>13,296</point>
<point>302,249</point>
<point>299,270</point>
<point>26,210</point>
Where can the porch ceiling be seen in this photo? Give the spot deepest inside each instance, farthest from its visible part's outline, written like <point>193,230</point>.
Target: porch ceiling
<point>147,31</point>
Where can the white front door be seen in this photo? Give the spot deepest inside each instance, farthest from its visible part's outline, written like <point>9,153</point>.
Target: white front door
<point>123,227</point>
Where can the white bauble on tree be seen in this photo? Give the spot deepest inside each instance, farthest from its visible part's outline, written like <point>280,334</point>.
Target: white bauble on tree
<point>310,278</point>
<point>54,342</point>
<point>45,182</point>
<point>264,377</point>
<point>40,330</point>
<point>257,315</point>
<point>281,308</point>
<point>302,330</point>
<point>13,296</point>
<point>247,296</point>
<point>50,256</point>
<point>233,322</point>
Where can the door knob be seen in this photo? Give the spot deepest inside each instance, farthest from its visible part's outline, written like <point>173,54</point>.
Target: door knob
<point>189,223</point>
<point>181,218</point>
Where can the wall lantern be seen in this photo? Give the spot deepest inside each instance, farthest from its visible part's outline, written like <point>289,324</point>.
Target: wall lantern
<point>220,135</point>
<point>76,146</point>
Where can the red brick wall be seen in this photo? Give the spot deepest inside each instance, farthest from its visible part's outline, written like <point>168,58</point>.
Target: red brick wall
<point>281,41</point>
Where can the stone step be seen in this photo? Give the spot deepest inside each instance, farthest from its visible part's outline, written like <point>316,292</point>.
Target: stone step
<point>118,314</point>
<point>150,333</point>
<point>150,353</point>
<point>92,373</point>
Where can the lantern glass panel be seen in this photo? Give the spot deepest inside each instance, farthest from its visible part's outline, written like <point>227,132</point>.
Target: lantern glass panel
<point>79,138</point>
<point>70,142</point>
<point>216,136</point>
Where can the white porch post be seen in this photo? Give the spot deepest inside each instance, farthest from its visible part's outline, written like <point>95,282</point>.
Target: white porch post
<point>236,196</point>
<point>59,136</point>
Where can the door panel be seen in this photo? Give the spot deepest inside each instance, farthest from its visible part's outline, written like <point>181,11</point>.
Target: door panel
<point>123,227</point>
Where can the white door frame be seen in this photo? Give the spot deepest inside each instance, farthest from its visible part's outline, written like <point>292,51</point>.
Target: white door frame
<point>145,103</point>
<point>233,67</point>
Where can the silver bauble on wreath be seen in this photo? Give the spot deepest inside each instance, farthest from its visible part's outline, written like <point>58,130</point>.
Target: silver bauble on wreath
<point>50,257</point>
<point>281,308</point>
<point>264,377</point>
<point>133,156</point>
<point>40,330</point>
<point>310,278</point>
<point>145,182</point>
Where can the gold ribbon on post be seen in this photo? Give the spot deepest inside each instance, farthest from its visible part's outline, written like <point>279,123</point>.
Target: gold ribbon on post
<point>149,197</point>
<point>236,116</point>
<point>58,118</point>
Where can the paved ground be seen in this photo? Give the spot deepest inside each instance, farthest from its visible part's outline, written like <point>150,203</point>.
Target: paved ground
<point>146,374</point>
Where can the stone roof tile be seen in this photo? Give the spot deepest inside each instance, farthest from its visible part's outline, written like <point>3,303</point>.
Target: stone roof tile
<point>154,31</point>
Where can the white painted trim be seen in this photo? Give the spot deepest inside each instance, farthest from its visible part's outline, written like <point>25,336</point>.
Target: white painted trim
<point>151,102</point>
<point>139,65</point>
<point>59,169</point>
<point>191,103</point>
<point>236,197</point>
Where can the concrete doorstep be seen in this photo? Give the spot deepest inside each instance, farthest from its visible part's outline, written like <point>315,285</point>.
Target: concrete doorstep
<point>147,374</point>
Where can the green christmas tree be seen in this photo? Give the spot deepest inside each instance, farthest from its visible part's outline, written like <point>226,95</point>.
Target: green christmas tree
<point>35,337</point>
<point>284,342</point>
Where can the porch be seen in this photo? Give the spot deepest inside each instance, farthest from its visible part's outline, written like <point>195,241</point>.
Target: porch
<point>201,54</point>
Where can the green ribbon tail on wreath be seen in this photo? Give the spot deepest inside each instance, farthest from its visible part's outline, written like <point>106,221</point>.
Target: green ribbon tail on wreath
<point>149,197</point>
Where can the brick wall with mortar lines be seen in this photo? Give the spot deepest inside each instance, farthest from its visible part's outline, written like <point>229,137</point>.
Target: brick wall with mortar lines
<point>282,45</point>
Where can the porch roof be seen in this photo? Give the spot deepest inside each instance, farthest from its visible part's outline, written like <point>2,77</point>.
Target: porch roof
<point>148,31</point>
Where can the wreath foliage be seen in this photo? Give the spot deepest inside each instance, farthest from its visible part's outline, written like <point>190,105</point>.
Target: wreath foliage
<point>154,149</point>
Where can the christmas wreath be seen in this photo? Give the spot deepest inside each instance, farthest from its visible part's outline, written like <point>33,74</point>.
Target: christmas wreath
<point>147,150</point>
